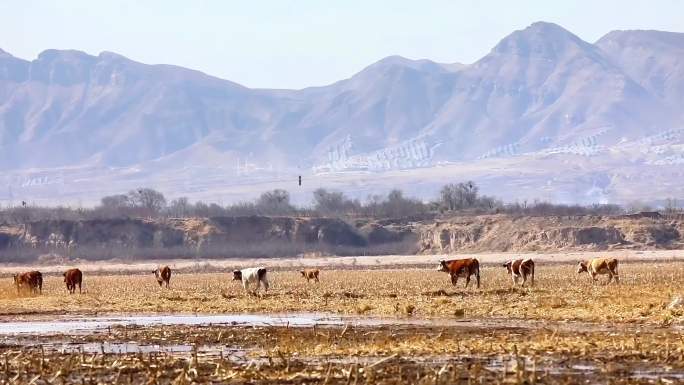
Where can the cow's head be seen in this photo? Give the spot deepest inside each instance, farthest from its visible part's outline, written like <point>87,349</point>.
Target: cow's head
<point>443,266</point>
<point>157,275</point>
<point>582,267</point>
<point>237,275</point>
<point>508,265</point>
<point>65,276</point>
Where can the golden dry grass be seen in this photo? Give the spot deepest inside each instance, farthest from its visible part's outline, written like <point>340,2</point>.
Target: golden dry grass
<point>559,294</point>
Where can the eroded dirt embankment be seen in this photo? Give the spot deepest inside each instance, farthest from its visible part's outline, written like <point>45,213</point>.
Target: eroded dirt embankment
<point>530,234</point>
<point>465,234</point>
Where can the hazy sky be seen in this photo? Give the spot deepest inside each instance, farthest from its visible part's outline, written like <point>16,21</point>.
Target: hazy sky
<point>294,44</point>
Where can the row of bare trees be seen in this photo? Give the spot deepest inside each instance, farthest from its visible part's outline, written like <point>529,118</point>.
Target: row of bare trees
<point>453,198</point>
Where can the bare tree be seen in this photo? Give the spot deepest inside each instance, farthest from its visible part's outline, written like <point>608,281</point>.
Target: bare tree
<point>148,199</point>
<point>275,202</point>
<point>334,202</point>
<point>179,207</point>
<point>458,196</point>
<point>115,201</point>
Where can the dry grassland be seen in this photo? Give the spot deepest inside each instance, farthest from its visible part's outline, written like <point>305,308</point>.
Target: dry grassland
<point>559,294</point>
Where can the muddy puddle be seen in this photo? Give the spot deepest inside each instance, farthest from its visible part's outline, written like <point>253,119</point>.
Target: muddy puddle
<point>85,324</point>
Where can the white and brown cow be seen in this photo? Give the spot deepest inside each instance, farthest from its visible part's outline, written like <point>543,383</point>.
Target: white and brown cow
<point>252,275</point>
<point>521,268</point>
<point>463,268</point>
<point>599,266</point>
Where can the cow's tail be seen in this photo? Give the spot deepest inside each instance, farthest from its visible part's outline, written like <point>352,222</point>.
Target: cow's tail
<point>477,273</point>
<point>532,273</point>
<point>40,284</point>
<point>261,274</point>
<point>617,276</point>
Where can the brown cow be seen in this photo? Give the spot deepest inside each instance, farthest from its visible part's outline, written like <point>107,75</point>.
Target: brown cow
<point>310,274</point>
<point>163,274</point>
<point>600,266</point>
<point>73,277</point>
<point>31,280</point>
<point>521,268</point>
<point>461,268</point>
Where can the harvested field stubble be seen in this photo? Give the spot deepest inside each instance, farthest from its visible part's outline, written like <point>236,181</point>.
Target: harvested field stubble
<point>340,355</point>
<point>559,294</point>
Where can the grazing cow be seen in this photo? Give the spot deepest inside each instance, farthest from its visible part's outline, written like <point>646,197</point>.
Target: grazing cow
<point>310,274</point>
<point>31,280</point>
<point>73,277</point>
<point>256,275</point>
<point>461,268</point>
<point>521,268</point>
<point>600,266</point>
<point>163,274</point>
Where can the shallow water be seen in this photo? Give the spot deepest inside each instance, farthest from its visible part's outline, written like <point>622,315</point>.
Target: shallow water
<point>86,324</point>
<point>76,324</point>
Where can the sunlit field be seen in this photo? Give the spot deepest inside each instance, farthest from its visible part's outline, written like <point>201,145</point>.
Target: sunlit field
<point>559,293</point>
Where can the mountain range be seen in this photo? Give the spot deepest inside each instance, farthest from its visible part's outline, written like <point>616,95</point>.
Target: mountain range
<point>542,100</point>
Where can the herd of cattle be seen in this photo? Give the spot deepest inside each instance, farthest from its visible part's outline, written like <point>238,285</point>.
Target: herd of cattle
<point>518,269</point>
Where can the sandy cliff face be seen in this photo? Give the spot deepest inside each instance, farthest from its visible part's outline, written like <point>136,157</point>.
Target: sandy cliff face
<point>489,233</point>
<point>504,233</point>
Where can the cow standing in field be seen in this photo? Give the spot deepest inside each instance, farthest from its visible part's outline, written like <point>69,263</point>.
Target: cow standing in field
<point>461,268</point>
<point>521,268</point>
<point>163,275</point>
<point>599,266</point>
<point>73,277</point>
<point>252,275</point>
<point>31,280</point>
<point>310,274</point>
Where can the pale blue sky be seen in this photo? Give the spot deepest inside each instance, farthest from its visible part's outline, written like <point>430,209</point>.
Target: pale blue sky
<point>294,44</point>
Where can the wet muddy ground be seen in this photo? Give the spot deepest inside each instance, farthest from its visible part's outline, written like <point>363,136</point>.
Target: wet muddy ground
<point>319,348</point>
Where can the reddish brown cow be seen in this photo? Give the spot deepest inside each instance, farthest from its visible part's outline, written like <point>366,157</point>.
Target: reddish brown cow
<point>163,274</point>
<point>73,277</point>
<point>521,268</point>
<point>31,280</point>
<point>461,268</point>
<point>310,274</point>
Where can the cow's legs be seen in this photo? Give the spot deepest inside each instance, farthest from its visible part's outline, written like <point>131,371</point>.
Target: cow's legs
<point>454,279</point>
<point>467,280</point>
<point>610,277</point>
<point>79,288</point>
<point>265,282</point>
<point>524,279</point>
